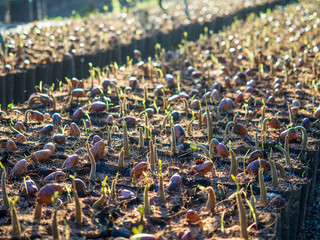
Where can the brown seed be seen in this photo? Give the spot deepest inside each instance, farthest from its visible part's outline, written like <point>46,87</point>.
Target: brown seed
<point>56,119</point>
<point>19,126</point>
<point>32,188</point>
<point>192,217</point>
<point>195,104</point>
<point>138,169</point>
<point>175,182</point>
<point>74,129</point>
<point>98,106</point>
<point>240,129</point>
<point>133,82</point>
<point>203,168</point>
<point>275,123</point>
<point>50,146</point>
<point>222,149</point>
<point>98,150</point>
<point>20,138</point>
<point>74,82</point>
<point>46,193</point>
<point>42,155</point>
<point>271,100</point>
<point>317,113</point>
<point>19,168</point>
<point>109,119</point>
<point>78,92</point>
<point>150,112</point>
<point>55,176</point>
<point>71,162</point>
<point>204,118</point>
<point>253,168</point>
<point>295,109</point>
<point>80,84</point>
<point>59,139</point>
<point>11,146</point>
<point>125,194</point>
<point>80,185</point>
<point>256,154</point>
<point>296,103</point>
<point>78,114</point>
<point>96,91</point>
<point>48,129</point>
<point>96,138</point>
<point>37,116</point>
<point>130,121</point>
<point>223,106</point>
<point>180,133</point>
<point>292,135</point>
<point>239,98</point>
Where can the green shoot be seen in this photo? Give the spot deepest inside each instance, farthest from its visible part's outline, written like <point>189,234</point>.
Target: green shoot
<point>4,188</point>
<point>162,193</point>
<point>92,162</point>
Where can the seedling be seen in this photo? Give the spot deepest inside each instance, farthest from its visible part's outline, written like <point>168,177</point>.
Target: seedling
<point>234,163</point>
<point>263,189</point>
<point>286,154</point>
<point>241,211</point>
<point>4,188</point>
<point>146,200</point>
<point>141,138</point>
<point>16,229</point>
<point>78,213</point>
<point>55,229</point>
<point>92,162</point>
<point>113,186</point>
<point>190,124</point>
<point>211,202</point>
<point>173,141</point>
<point>121,158</point>
<point>125,139</point>
<point>99,203</point>
<point>194,146</point>
<point>161,191</point>
<point>222,221</point>
<point>273,171</point>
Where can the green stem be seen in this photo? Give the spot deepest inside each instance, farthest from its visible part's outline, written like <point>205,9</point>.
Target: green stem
<point>281,169</point>
<point>200,118</point>
<point>38,211</point>
<point>79,218</point>
<point>228,127</point>
<point>242,216</point>
<point>209,125</point>
<point>173,141</point>
<point>286,154</point>
<point>16,230</point>
<point>264,129</point>
<point>189,127</point>
<point>234,165</point>
<point>4,189</point>
<point>98,204</point>
<point>121,158</point>
<point>211,202</point>
<point>146,202</point>
<point>212,147</point>
<point>55,229</point>
<point>125,139</point>
<point>263,189</point>
<point>92,162</point>
<point>304,136</point>
<point>141,139</point>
